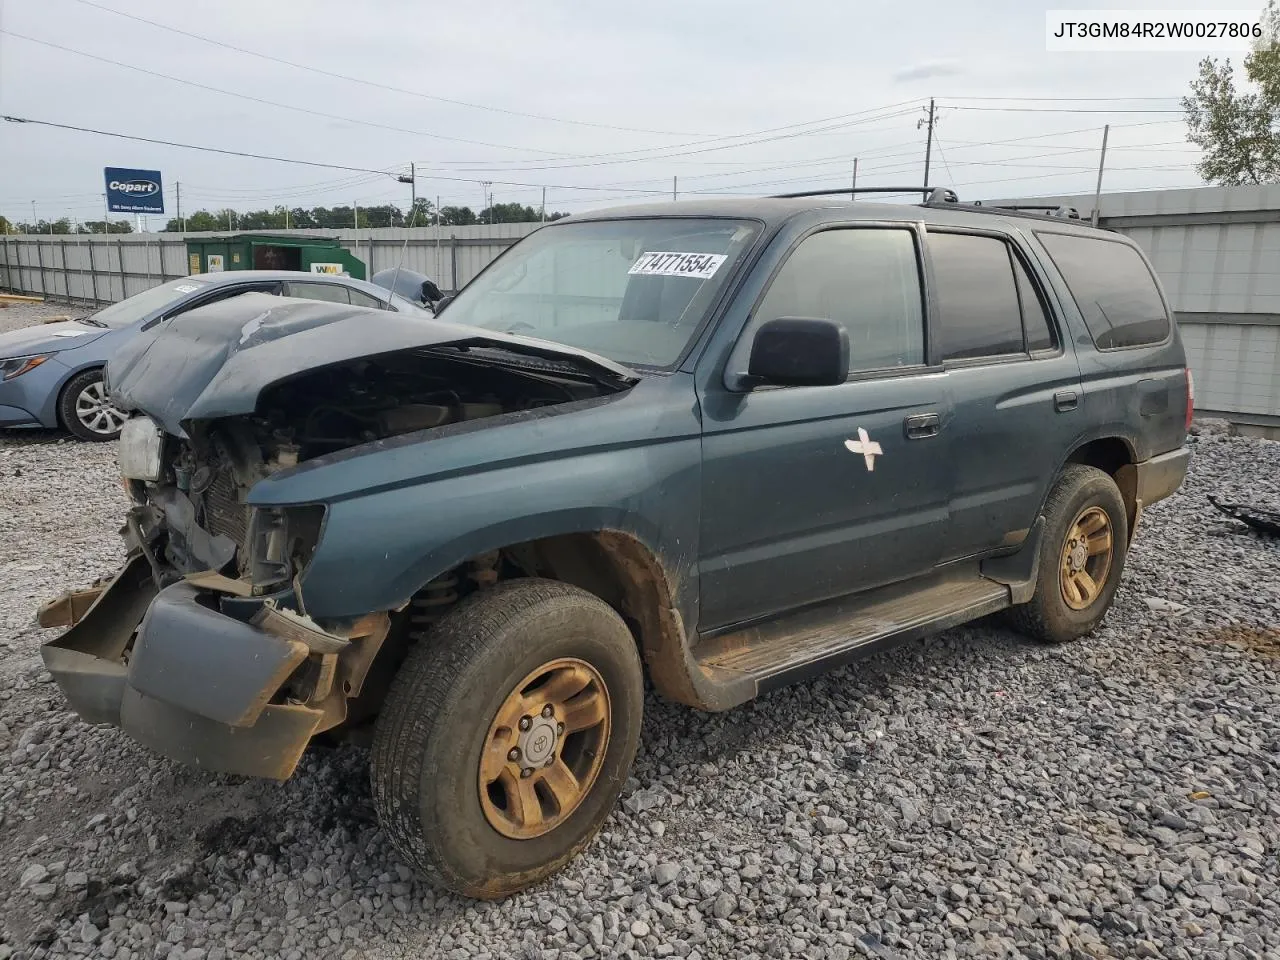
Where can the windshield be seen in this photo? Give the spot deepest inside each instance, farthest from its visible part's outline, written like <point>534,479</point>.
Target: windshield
<point>149,301</point>
<point>633,291</point>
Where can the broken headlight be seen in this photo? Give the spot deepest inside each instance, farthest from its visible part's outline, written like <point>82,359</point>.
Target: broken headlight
<point>281,541</point>
<point>141,449</point>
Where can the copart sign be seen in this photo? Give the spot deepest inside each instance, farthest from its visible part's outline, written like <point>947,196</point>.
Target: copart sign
<point>134,191</point>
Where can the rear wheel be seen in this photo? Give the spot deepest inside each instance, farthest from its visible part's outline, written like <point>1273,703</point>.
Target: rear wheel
<point>1081,556</point>
<point>86,412</point>
<point>507,736</point>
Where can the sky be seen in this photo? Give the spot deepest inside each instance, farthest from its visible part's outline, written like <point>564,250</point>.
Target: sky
<point>600,103</point>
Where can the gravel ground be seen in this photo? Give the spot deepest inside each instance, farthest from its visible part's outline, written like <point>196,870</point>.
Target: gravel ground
<point>973,795</point>
<point>16,315</point>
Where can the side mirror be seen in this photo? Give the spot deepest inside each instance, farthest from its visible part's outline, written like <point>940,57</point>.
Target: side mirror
<point>799,352</point>
<point>442,303</point>
<point>430,292</point>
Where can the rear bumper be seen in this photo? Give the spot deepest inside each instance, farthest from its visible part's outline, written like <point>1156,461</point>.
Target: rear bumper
<point>193,683</point>
<point>1160,476</point>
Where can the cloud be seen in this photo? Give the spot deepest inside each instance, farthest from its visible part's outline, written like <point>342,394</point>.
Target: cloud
<point>927,70</point>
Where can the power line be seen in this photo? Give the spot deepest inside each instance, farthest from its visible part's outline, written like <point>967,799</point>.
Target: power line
<point>840,121</point>
<point>952,106</point>
<point>273,103</point>
<point>1069,99</point>
<point>274,159</point>
<point>375,84</point>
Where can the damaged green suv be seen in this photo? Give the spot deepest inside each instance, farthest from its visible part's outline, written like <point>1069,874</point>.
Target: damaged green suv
<point>724,445</point>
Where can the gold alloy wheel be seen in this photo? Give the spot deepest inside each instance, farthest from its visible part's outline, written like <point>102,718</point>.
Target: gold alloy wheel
<point>545,748</point>
<point>1086,558</point>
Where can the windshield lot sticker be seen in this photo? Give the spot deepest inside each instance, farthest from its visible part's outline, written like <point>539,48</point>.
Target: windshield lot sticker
<point>865,446</point>
<point>700,266</point>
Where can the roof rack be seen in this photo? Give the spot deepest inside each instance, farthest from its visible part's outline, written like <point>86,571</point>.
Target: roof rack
<point>1046,209</point>
<point>942,196</point>
<point>852,191</point>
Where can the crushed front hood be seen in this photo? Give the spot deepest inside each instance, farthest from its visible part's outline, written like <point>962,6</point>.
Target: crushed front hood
<point>215,361</point>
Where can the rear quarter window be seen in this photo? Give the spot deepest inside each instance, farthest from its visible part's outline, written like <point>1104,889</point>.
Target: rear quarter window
<point>1113,288</point>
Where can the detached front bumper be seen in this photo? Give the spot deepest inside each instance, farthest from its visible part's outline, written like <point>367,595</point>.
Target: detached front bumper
<point>193,683</point>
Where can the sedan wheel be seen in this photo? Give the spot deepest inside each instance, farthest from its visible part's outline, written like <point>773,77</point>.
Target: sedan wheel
<point>86,411</point>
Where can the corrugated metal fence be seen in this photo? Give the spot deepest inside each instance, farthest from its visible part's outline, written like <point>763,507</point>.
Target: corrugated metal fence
<point>102,269</point>
<point>1217,252</point>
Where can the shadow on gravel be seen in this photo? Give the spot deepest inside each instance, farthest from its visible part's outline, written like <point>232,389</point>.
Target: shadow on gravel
<point>32,437</point>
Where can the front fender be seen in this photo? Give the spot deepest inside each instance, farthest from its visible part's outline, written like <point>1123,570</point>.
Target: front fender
<point>378,550</point>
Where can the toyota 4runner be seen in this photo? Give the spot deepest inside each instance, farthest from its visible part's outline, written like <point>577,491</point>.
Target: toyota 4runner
<point>727,445</point>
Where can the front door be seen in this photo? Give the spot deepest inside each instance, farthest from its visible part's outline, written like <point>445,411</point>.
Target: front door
<point>815,492</point>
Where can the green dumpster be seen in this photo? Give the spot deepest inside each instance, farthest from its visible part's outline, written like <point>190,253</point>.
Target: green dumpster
<point>265,251</point>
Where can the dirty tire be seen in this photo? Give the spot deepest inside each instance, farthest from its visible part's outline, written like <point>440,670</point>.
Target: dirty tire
<point>436,720</point>
<point>68,416</point>
<point>1048,617</point>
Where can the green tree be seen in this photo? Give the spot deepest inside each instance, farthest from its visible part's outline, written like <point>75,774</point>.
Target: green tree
<point>457,216</point>
<point>423,212</point>
<point>113,226</point>
<point>60,226</point>
<point>1239,131</point>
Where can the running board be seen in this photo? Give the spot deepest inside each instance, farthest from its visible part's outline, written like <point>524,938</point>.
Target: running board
<point>809,642</point>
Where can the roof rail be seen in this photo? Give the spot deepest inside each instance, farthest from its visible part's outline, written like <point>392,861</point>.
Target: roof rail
<point>852,191</point>
<point>1045,209</point>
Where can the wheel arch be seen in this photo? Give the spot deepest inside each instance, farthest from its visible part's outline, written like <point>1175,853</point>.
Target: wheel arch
<point>630,576</point>
<point>1115,456</point>
<point>71,374</point>
<point>626,573</point>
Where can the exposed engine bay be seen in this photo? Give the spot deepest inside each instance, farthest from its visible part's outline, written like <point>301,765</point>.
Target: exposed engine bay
<point>194,517</point>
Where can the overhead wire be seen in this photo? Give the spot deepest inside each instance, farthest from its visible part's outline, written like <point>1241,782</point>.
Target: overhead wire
<point>373,83</point>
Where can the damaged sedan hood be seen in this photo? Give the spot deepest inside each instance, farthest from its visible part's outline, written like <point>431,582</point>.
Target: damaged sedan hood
<point>216,361</point>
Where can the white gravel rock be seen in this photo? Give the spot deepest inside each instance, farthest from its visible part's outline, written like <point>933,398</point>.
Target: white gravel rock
<point>972,795</point>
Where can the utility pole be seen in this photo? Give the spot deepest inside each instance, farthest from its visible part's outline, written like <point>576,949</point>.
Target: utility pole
<point>412,180</point>
<point>1102,160</point>
<point>437,238</point>
<point>229,226</point>
<point>542,214</point>
<point>286,217</point>
<point>928,145</point>
<point>674,192</point>
<point>854,185</point>
<point>356,215</point>
<point>178,187</point>
<point>486,199</point>
<point>105,214</point>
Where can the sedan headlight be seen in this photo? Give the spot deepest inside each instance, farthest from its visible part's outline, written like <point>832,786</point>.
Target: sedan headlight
<point>141,449</point>
<point>17,366</point>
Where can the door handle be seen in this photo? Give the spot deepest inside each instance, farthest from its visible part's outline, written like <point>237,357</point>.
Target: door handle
<point>922,426</point>
<point>1066,400</point>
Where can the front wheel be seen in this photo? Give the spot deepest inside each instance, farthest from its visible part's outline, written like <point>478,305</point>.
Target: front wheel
<point>507,736</point>
<point>1082,555</point>
<point>85,410</point>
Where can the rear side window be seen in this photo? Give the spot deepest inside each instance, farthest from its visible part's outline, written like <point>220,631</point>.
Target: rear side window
<point>361,299</point>
<point>868,281</point>
<point>977,296</point>
<point>1113,289</point>
<point>1035,320</point>
<point>330,292</point>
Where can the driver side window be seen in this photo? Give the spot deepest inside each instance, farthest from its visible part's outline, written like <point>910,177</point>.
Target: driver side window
<point>865,279</point>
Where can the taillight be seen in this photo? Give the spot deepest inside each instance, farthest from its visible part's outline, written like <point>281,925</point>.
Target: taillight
<point>1191,397</point>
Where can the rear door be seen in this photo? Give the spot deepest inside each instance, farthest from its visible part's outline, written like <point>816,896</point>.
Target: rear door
<point>1135,381</point>
<point>1014,385</point>
<point>816,492</point>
